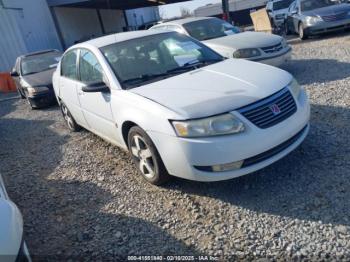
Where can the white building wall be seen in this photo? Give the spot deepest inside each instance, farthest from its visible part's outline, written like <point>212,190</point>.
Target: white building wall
<point>140,16</point>
<point>25,26</point>
<point>77,24</point>
<point>113,20</point>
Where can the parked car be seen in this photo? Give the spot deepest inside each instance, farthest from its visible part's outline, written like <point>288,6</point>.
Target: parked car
<point>228,41</point>
<point>179,107</point>
<point>314,17</point>
<point>278,10</point>
<point>33,77</point>
<point>12,245</point>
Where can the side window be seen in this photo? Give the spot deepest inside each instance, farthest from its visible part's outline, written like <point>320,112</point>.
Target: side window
<point>90,69</point>
<point>69,65</point>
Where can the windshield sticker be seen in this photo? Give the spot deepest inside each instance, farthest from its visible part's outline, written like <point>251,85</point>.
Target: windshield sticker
<point>188,46</point>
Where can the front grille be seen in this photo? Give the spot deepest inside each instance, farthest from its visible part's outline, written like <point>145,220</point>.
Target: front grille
<point>335,17</point>
<point>274,151</point>
<point>273,48</point>
<point>271,110</point>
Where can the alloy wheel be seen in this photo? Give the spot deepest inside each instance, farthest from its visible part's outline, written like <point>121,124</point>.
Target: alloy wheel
<point>67,117</point>
<point>144,156</point>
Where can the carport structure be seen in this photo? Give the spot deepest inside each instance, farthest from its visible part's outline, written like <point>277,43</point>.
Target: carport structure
<point>79,20</point>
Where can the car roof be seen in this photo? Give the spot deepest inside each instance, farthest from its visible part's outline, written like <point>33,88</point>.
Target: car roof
<point>39,53</point>
<point>185,21</point>
<point>119,37</point>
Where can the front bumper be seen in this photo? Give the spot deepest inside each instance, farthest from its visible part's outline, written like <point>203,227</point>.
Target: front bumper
<point>182,155</point>
<point>325,27</point>
<point>276,59</point>
<point>42,99</point>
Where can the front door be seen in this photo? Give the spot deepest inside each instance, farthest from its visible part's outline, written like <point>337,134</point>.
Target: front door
<point>96,106</point>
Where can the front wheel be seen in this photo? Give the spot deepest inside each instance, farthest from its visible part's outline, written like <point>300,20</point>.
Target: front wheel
<point>21,94</point>
<point>146,157</point>
<point>302,33</point>
<point>72,125</point>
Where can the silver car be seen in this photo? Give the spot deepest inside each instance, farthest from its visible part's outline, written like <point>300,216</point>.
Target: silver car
<point>314,17</point>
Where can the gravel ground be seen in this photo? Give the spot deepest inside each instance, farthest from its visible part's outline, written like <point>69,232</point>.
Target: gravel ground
<point>82,197</point>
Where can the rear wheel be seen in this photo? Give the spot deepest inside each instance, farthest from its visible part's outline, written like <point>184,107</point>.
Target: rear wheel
<point>302,34</point>
<point>72,125</point>
<point>146,157</point>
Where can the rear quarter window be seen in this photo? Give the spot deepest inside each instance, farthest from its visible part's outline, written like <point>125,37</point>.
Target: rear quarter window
<point>69,65</point>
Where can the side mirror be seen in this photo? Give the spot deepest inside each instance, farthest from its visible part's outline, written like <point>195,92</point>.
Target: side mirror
<point>14,74</point>
<point>294,12</point>
<point>96,87</point>
<point>269,10</point>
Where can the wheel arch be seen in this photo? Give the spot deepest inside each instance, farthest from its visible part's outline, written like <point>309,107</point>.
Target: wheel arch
<point>126,126</point>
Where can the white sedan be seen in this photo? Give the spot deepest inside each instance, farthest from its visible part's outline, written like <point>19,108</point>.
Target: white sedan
<point>179,107</point>
<point>12,245</point>
<point>228,41</point>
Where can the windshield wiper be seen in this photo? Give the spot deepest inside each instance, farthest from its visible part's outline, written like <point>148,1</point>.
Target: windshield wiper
<point>143,78</point>
<point>194,65</point>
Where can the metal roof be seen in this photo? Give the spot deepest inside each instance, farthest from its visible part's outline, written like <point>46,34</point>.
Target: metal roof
<point>111,4</point>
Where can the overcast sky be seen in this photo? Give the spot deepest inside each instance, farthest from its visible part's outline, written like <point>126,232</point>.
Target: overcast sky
<point>174,9</point>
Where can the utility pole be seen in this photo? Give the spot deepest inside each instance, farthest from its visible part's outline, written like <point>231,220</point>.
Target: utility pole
<point>226,10</point>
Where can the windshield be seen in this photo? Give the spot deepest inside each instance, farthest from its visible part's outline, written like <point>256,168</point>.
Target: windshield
<point>309,5</point>
<point>41,62</point>
<point>284,4</point>
<point>210,29</point>
<point>152,58</point>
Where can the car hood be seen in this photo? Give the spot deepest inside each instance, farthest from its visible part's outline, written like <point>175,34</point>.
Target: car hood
<point>329,10</point>
<point>217,88</point>
<point>245,40</point>
<point>40,79</point>
<point>11,228</point>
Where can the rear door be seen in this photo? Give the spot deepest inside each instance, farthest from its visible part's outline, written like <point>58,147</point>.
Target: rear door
<point>68,84</point>
<point>96,106</point>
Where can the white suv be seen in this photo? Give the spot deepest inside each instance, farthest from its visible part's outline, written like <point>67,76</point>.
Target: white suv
<point>179,107</point>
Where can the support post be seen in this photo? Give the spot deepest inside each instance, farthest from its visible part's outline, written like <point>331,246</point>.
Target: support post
<point>226,10</point>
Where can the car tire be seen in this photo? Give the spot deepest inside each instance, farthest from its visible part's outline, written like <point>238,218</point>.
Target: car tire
<point>146,157</point>
<point>22,96</point>
<point>32,106</point>
<point>286,29</point>
<point>302,33</point>
<point>72,125</point>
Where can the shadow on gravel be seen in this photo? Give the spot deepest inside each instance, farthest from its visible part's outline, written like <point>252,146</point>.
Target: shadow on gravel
<point>323,70</point>
<point>66,219</point>
<point>7,107</point>
<point>295,40</point>
<point>312,183</point>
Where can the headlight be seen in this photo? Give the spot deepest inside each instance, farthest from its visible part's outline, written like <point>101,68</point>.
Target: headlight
<point>247,53</point>
<point>295,88</point>
<point>311,20</point>
<point>37,89</point>
<point>211,126</point>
